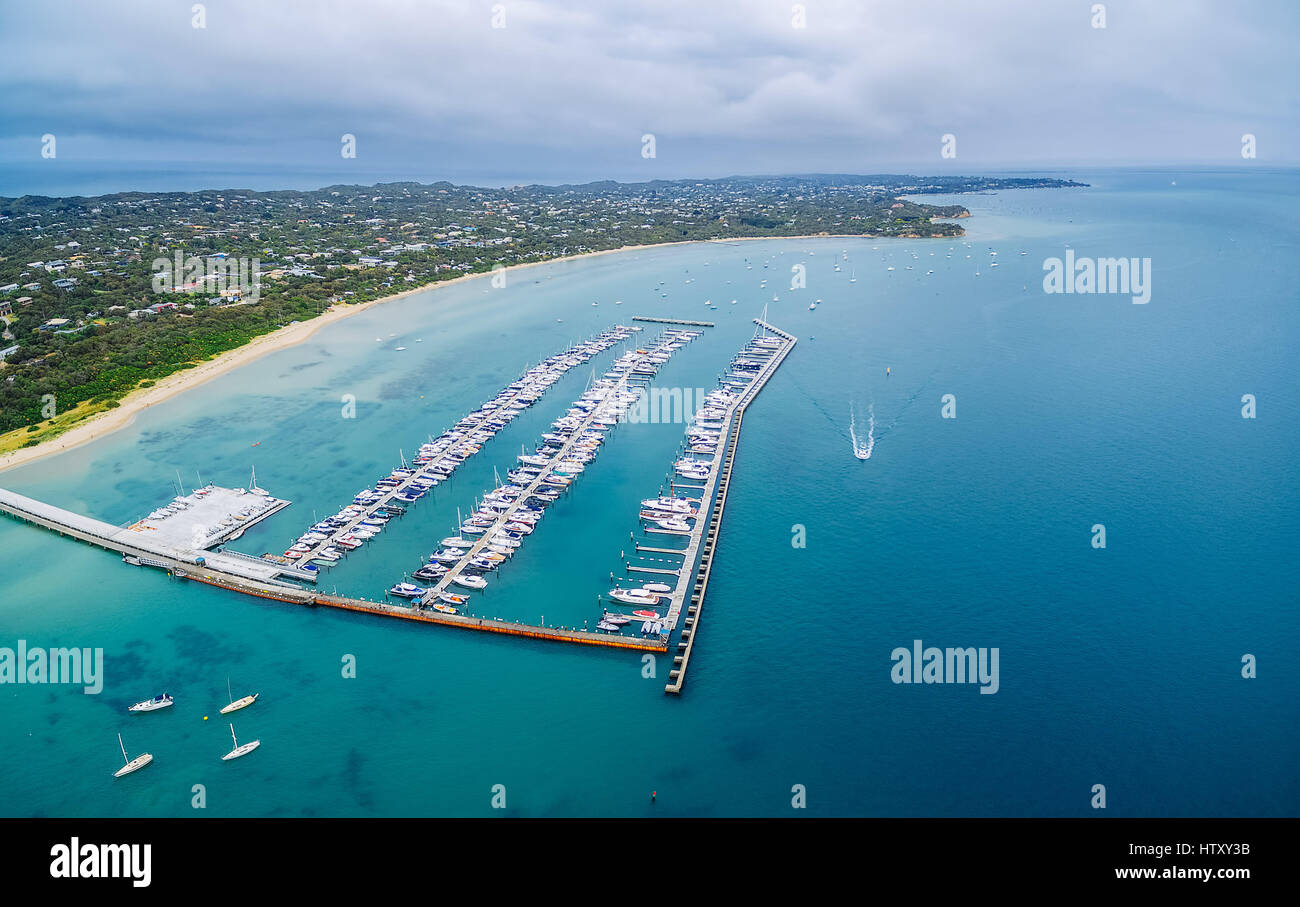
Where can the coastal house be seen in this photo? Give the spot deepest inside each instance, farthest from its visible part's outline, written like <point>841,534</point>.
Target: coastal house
<point>54,324</point>
<point>6,308</point>
<point>9,288</point>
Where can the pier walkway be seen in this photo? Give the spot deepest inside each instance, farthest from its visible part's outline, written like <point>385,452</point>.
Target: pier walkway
<point>135,541</point>
<point>704,535</point>
<point>253,576</point>
<point>694,324</point>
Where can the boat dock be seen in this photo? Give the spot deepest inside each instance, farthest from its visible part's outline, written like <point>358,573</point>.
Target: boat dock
<point>628,374</point>
<point>694,324</point>
<point>151,542</point>
<point>704,535</point>
<point>257,577</point>
<point>439,459</point>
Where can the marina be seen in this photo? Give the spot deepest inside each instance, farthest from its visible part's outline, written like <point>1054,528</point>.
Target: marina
<point>329,540</point>
<point>185,536</point>
<point>509,512</point>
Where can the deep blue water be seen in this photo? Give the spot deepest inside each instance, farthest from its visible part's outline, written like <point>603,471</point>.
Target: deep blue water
<point>1119,666</point>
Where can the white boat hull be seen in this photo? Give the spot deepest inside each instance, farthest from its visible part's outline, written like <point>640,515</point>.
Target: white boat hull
<point>134,765</point>
<point>242,750</point>
<point>240,704</point>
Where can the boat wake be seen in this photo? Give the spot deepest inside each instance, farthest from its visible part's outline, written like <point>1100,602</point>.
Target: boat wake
<point>862,449</point>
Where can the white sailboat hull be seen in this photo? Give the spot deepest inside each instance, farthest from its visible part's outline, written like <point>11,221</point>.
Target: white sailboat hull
<point>242,750</point>
<point>240,704</point>
<point>134,765</point>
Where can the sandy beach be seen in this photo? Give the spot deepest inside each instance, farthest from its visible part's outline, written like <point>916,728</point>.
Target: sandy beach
<point>103,423</point>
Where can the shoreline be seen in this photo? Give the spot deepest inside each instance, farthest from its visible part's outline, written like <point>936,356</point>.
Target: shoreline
<point>137,401</point>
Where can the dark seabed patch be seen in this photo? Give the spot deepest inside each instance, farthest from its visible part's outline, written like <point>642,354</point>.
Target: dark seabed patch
<point>200,649</point>
<point>351,777</point>
<point>129,667</point>
<point>744,749</point>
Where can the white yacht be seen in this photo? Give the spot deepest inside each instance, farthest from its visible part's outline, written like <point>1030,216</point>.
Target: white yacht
<point>407,590</point>
<point>634,596</point>
<point>161,701</point>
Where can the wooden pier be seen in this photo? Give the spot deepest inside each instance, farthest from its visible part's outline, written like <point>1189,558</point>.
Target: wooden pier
<point>694,324</point>
<point>704,537</point>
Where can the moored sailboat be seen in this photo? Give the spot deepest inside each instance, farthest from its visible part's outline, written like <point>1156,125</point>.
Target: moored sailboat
<point>240,749</point>
<point>236,705</point>
<point>131,765</point>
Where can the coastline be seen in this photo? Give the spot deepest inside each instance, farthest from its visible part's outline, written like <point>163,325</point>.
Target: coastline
<point>108,421</point>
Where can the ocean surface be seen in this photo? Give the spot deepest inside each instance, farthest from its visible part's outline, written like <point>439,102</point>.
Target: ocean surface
<point>1118,666</point>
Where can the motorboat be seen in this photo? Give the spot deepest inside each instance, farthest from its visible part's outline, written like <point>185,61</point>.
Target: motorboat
<point>407,590</point>
<point>677,505</point>
<point>470,581</point>
<point>161,701</point>
<point>634,596</point>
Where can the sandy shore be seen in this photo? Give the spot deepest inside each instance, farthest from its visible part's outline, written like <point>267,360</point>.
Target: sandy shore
<point>137,401</point>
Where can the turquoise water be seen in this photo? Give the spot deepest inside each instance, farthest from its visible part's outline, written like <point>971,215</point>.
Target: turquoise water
<point>1119,666</point>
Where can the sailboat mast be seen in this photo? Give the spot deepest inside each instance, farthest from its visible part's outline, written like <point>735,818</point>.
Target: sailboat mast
<point>228,693</point>
<point>123,746</point>
<point>232,736</point>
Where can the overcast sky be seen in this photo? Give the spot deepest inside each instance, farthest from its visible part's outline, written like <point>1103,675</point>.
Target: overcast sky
<point>566,90</point>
